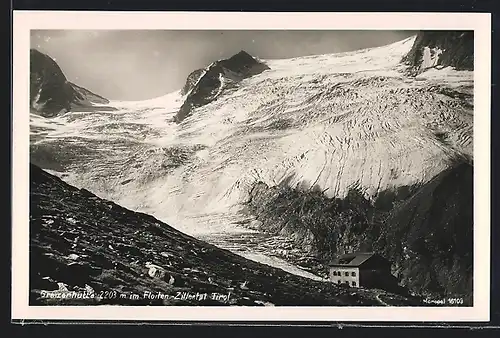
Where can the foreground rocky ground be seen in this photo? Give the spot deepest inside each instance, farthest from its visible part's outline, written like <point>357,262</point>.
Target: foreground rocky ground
<point>85,250</point>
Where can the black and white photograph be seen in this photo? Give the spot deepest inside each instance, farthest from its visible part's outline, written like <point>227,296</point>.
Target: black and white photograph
<point>254,168</point>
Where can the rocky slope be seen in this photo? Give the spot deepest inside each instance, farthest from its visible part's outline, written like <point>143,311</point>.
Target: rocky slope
<point>85,250</point>
<point>426,231</point>
<point>51,93</point>
<point>204,86</point>
<point>441,48</point>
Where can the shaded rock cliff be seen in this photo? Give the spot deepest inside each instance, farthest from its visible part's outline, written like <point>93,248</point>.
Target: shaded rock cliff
<point>86,250</point>
<point>51,93</point>
<point>216,78</point>
<point>441,48</point>
<point>430,235</point>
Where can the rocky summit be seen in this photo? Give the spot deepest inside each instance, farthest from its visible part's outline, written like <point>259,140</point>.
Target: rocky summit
<point>85,251</point>
<point>204,86</point>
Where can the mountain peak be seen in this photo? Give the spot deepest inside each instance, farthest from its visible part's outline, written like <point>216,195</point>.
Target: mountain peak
<point>50,91</point>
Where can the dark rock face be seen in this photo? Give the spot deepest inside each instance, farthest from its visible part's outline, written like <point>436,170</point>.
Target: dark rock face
<point>86,250</point>
<point>191,80</point>
<point>457,49</point>
<point>50,92</point>
<point>216,78</point>
<point>425,231</point>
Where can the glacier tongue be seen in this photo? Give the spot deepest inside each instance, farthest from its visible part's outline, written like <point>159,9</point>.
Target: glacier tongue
<point>325,121</point>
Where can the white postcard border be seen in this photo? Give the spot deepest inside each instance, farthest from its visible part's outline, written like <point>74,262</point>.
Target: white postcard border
<point>24,21</point>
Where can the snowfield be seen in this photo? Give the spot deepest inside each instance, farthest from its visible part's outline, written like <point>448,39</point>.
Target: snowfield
<point>325,121</point>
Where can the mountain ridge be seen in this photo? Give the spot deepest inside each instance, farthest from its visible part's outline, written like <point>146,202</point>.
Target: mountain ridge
<point>51,93</point>
<point>203,86</point>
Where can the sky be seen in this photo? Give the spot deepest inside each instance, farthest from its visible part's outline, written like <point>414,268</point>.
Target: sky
<point>143,64</point>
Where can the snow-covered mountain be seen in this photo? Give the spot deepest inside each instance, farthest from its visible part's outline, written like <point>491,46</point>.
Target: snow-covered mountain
<point>51,93</point>
<point>438,48</point>
<point>363,119</point>
<point>327,121</point>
